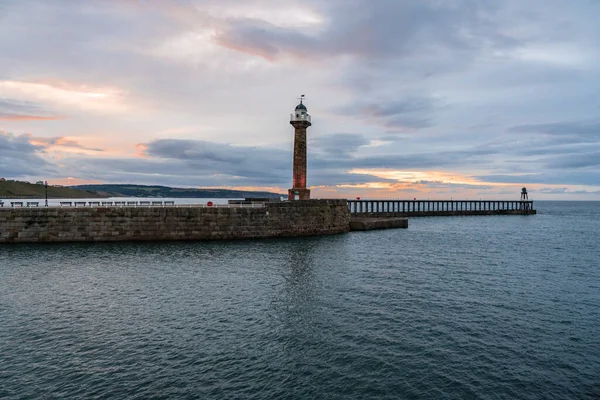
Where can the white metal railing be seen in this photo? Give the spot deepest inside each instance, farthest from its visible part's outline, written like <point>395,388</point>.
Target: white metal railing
<point>300,117</point>
<point>121,204</point>
<point>141,204</point>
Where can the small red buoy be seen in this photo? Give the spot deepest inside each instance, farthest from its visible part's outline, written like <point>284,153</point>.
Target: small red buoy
<point>210,204</point>
<point>358,198</point>
<point>414,198</point>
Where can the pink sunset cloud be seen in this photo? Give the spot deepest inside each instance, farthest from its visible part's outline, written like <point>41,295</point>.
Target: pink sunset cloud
<point>60,142</point>
<point>20,117</point>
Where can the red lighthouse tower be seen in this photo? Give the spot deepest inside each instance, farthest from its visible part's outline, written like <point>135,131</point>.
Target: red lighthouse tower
<point>300,120</point>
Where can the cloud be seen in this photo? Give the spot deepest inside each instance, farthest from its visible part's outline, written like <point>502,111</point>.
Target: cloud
<point>338,144</point>
<point>398,114</point>
<point>575,161</point>
<point>573,129</point>
<point>22,110</point>
<point>504,90</point>
<point>203,163</point>
<point>18,117</point>
<point>63,94</point>
<point>331,162</point>
<point>560,190</point>
<point>18,157</point>
<point>442,184</point>
<point>564,190</point>
<point>60,141</point>
<point>556,178</point>
<point>387,29</point>
<point>430,160</point>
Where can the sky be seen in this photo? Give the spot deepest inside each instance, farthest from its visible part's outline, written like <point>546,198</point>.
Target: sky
<point>427,99</point>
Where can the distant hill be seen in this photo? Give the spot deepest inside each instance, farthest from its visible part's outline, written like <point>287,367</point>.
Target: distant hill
<point>15,189</point>
<point>124,190</point>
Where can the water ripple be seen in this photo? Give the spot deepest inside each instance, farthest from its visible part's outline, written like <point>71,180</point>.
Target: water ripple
<point>481,307</point>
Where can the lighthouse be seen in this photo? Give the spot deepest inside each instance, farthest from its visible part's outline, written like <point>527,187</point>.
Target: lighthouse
<point>300,120</point>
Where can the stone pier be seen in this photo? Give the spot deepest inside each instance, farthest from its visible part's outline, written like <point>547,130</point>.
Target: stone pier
<point>95,224</point>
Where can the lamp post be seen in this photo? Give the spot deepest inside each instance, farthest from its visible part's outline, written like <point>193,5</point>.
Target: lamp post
<point>46,186</point>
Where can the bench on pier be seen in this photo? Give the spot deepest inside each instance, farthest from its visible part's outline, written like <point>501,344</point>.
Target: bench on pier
<point>79,203</point>
<point>119,203</point>
<point>16,204</point>
<point>66,203</point>
<point>33,204</point>
<point>132,203</point>
<point>107,203</point>
<point>157,203</point>
<point>94,203</point>
<point>1,203</point>
<point>145,203</point>
<point>169,203</point>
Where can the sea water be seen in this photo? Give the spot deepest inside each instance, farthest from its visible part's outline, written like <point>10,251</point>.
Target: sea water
<point>453,307</point>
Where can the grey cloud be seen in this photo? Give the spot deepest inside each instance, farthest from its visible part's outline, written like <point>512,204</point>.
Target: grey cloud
<point>388,28</point>
<point>338,144</point>
<point>535,144</point>
<point>392,60</point>
<point>556,178</point>
<point>574,129</point>
<point>404,114</point>
<point>584,192</point>
<point>177,172</point>
<point>575,161</point>
<point>561,146</point>
<point>341,177</point>
<point>95,42</point>
<point>13,109</point>
<point>426,161</point>
<point>545,147</point>
<point>202,163</point>
<point>63,142</point>
<point>246,162</point>
<point>19,106</point>
<point>20,158</point>
<point>569,147</point>
<point>456,186</point>
<point>565,190</point>
<point>262,38</point>
<point>553,190</point>
<point>274,165</point>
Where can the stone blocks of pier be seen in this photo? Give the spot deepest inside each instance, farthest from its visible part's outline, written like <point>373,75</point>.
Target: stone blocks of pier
<point>297,218</point>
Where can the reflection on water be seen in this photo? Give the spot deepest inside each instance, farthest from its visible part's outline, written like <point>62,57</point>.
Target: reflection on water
<point>465,307</point>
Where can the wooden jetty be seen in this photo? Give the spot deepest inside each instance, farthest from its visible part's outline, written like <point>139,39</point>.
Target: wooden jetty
<point>433,208</point>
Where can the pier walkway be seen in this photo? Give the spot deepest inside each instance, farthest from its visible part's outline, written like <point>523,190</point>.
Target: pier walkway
<point>431,208</point>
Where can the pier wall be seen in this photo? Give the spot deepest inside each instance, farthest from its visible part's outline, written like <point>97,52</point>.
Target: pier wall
<point>298,218</point>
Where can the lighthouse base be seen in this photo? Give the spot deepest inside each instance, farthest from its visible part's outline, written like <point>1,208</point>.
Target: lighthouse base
<point>298,194</point>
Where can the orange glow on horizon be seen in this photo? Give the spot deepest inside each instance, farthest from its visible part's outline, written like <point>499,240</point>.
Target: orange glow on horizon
<point>16,117</point>
<point>70,181</point>
<point>141,149</point>
<point>424,176</point>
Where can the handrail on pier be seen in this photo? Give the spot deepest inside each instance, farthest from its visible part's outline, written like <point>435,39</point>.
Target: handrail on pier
<point>141,204</point>
<point>439,207</point>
